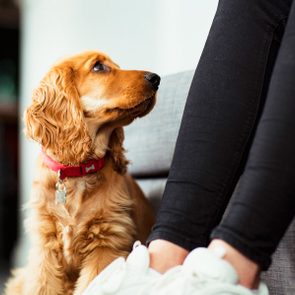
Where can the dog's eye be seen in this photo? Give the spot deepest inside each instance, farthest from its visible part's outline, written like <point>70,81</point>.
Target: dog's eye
<point>99,67</point>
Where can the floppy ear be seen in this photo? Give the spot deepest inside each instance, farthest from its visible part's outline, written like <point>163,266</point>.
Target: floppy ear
<point>117,150</point>
<point>55,118</point>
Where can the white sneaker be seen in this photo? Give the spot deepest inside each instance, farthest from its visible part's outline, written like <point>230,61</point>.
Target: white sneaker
<point>203,273</point>
<point>125,277</point>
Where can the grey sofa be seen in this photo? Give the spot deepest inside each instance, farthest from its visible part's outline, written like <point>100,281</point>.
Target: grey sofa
<point>150,144</point>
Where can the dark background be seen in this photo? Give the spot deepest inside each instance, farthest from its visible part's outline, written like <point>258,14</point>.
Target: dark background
<point>9,92</point>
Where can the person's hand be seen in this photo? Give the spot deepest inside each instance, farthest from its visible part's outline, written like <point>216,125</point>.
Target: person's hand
<point>165,255</point>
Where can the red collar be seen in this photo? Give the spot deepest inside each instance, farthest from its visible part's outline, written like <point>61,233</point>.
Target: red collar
<point>64,171</point>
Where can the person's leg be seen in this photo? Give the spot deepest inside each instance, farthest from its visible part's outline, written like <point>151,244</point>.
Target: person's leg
<point>264,201</point>
<point>219,121</point>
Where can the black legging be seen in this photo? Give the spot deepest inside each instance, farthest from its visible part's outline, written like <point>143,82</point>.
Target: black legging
<point>237,136</point>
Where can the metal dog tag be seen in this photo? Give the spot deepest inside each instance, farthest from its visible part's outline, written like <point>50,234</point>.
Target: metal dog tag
<point>60,193</point>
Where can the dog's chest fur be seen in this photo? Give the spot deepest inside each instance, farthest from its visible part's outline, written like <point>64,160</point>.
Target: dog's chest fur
<point>67,237</point>
<point>91,218</point>
<point>77,225</point>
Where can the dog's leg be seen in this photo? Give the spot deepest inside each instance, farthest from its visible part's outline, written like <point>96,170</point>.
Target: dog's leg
<point>38,282</point>
<point>93,264</point>
<point>43,275</point>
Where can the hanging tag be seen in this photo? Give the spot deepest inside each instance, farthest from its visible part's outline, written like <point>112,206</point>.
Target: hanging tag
<point>60,192</point>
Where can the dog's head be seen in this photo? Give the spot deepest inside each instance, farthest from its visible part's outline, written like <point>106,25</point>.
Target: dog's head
<point>80,106</point>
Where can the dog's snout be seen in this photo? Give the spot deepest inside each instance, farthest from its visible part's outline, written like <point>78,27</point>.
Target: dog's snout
<point>154,79</point>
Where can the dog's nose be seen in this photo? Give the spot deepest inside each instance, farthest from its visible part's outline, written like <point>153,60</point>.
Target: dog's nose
<point>154,79</point>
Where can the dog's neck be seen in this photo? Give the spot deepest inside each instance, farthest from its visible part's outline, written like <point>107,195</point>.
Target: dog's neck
<point>81,170</point>
<point>69,180</point>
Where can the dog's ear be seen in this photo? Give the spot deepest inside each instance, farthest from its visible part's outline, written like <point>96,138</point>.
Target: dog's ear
<point>117,150</point>
<point>55,117</point>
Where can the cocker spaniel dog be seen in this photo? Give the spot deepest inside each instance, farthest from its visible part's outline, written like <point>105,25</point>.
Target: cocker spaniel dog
<point>86,210</point>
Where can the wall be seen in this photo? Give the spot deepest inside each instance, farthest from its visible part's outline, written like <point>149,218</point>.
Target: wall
<point>164,36</point>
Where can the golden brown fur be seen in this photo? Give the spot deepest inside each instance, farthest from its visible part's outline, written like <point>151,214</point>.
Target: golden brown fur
<point>77,114</point>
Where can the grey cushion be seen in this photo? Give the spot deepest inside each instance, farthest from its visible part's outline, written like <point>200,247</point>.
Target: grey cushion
<point>153,189</point>
<point>150,140</point>
<point>280,277</point>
